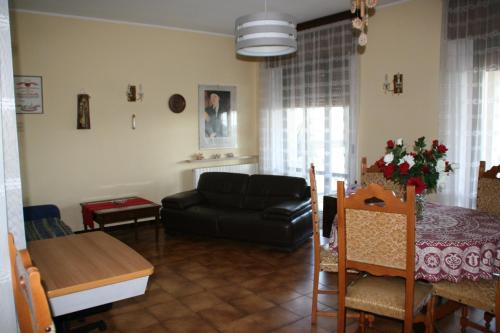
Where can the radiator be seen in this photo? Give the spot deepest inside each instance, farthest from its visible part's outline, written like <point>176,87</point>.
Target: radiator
<point>249,168</point>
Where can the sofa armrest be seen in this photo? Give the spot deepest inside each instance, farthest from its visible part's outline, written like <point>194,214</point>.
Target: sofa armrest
<point>287,209</point>
<point>182,200</point>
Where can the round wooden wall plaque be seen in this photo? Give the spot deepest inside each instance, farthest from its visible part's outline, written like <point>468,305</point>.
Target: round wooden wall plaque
<point>177,103</point>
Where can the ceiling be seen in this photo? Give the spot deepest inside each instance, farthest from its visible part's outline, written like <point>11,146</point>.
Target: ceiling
<point>214,16</point>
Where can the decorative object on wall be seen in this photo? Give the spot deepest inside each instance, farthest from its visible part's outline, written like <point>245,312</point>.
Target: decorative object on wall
<point>83,113</point>
<point>217,116</point>
<point>360,22</point>
<point>199,156</point>
<point>266,34</point>
<point>29,94</point>
<point>397,84</point>
<point>134,94</point>
<point>133,121</point>
<point>177,103</point>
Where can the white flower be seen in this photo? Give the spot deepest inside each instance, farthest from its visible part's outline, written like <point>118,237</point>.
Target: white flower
<point>441,181</point>
<point>409,159</point>
<point>388,158</point>
<point>399,142</point>
<point>440,166</point>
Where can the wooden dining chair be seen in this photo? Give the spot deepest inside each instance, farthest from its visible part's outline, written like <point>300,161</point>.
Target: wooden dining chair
<point>482,294</point>
<point>488,189</point>
<point>379,239</point>
<point>374,175</point>
<point>32,307</point>
<point>324,259</point>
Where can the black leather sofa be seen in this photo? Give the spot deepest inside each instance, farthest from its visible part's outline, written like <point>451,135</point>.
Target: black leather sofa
<point>275,210</point>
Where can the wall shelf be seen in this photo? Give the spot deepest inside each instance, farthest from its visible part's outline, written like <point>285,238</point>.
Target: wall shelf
<point>244,157</point>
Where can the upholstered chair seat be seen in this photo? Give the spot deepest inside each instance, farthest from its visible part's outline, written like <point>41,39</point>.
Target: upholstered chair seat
<point>478,294</point>
<point>384,296</point>
<point>329,262</point>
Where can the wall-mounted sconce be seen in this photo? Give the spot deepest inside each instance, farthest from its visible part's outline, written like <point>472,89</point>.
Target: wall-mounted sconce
<point>134,94</point>
<point>397,84</point>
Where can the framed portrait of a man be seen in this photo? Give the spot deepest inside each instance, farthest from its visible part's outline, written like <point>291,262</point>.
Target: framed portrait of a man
<point>217,117</point>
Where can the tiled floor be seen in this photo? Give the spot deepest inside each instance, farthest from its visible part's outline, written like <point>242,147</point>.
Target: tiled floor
<point>211,285</point>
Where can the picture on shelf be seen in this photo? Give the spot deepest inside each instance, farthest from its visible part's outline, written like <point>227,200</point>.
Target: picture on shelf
<point>217,116</point>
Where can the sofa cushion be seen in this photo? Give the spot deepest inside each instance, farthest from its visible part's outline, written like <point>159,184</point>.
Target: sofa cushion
<point>267,190</point>
<point>223,189</point>
<point>199,219</point>
<point>249,225</point>
<point>44,228</point>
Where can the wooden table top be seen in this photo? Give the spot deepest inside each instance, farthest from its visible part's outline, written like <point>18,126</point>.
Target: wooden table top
<point>84,261</point>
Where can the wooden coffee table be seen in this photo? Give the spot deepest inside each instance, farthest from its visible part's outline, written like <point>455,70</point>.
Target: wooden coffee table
<point>125,213</point>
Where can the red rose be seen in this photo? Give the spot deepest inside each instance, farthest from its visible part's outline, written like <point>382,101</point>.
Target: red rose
<point>388,171</point>
<point>429,154</point>
<point>390,144</point>
<point>380,163</point>
<point>425,169</point>
<point>403,168</point>
<point>418,183</point>
<point>413,154</point>
<point>442,149</point>
<point>435,143</point>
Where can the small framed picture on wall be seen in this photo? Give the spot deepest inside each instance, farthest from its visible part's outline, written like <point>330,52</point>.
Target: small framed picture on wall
<point>29,94</point>
<point>83,112</point>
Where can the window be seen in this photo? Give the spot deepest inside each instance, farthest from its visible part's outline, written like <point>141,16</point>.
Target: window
<point>318,135</point>
<point>490,121</point>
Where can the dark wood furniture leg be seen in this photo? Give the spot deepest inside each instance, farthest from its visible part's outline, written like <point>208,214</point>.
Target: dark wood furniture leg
<point>157,224</point>
<point>329,212</point>
<point>135,229</point>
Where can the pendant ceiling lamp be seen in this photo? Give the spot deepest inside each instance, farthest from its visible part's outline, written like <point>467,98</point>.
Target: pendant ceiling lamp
<point>360,22</point>
<point>266,34</point>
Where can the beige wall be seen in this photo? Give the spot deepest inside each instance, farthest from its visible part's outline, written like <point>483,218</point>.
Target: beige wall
<point>402,38</point>
<point>65,166</point>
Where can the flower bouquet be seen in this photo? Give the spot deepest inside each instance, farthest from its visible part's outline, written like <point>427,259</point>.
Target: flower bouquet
<point>424,168</point>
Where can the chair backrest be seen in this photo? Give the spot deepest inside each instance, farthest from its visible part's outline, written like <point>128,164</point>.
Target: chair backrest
<point>375,175</point>
<point>315,215</point>
<point>378,238</point>
<point>31,302</point>
<point>488,187</point>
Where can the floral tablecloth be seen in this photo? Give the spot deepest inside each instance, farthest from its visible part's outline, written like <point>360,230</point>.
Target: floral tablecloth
<point>453,243</point>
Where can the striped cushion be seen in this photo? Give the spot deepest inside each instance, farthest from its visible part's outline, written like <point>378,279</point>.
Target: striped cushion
<point>45,228</point>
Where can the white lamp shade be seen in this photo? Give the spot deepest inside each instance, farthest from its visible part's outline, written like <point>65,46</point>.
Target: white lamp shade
<point>266,34</point>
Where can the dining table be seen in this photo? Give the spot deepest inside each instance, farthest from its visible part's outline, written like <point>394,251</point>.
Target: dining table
<point>452,243</point>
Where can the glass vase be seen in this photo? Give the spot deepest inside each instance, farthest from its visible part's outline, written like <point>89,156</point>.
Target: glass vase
<point>420,205</point>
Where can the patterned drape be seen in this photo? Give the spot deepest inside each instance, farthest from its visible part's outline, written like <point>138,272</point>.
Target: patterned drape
<point>470,112</point>
<point>308,107</point>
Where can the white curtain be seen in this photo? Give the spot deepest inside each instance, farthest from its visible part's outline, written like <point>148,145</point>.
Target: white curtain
<point>308,108</point>
<point>470,112</point>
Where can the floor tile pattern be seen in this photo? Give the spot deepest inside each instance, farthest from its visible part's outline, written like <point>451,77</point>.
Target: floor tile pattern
<point>205,285</point>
